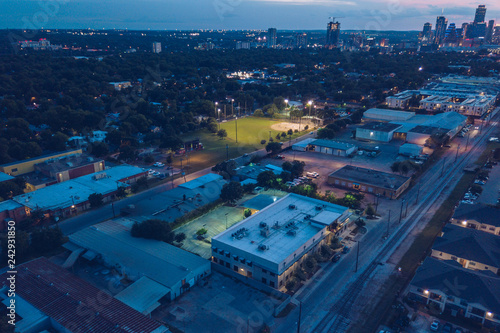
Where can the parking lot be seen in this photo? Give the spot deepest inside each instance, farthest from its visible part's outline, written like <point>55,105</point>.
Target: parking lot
<point>491,188</point>
<point>223,305</point>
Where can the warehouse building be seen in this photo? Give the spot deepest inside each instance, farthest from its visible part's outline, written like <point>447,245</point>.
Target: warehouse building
<point>331,147</point>
<point>157,268</point>
<point>387,115</point>
<point>409,149</point>
<point>268,245</point>
<point>67,198</point>
<point>50,298</point>
<point>377,131</point>
<point>369,181</point>
<point>25,166</point>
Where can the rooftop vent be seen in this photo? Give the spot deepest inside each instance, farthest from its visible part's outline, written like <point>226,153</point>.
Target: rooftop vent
<point>292,232</point>
<point>265,232</point>
<point>319,207</point>
<point>263,247</point>
<point>263,224</point>
<point>292,206</point>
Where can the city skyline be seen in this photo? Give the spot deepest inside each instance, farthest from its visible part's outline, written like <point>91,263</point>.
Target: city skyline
<point>238,15</point>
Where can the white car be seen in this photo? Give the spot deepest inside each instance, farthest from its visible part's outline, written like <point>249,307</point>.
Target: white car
<point>312,174</point>
<point>435,325</point>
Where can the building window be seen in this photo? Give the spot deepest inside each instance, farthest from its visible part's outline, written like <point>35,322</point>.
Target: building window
<point>14,170</point>
<point>249,264</point>
<point>228,265</point>
<point>215,260</point>
<point>235,268</point>
<point>281,283</point>
<point>271,283</point>
<point>472,263</point>
<point>264,280</point>
<point>272,274</point>
<point>221,262</point>
<point>454,258</point>
<point>228,255</point>
<point>264,271</point>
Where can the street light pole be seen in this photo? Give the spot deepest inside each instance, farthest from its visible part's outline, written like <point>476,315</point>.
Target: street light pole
<point>456,156</point>
<point>300,315</point>
<point>236,124</point>
<point>442,170</point>
<point>418,192</point>
<point>357,257</point>
<point>215,109</point>
<point>388,222</point>
<point>401,212</point>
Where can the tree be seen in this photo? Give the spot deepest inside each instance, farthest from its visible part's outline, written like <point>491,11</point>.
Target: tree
<point>121,192</point>
<point>180,237</point>
<point>266,178</point>
<point>148,159</point>
<point>247,212</point>
<point>127,153</point>
<point>58,142</point>
<point>476,189</point>
<point>45,240</point>
<point>231,192</point>
<point>326,133</point>
<point>98,149</point>
<point>95,200</point>
<point>273,147</point>
<point>263,142</point>
<point>258,113</point>
<point>222,133</point>
<point>172,143</point>
<point>395,166</point>
<point>290,132</point>
<point>153,229</point>
<point>297,168</point>
<point>212,127</point>
<point>370,211</point>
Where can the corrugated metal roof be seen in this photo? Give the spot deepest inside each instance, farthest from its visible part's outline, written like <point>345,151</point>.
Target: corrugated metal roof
<point>159,261</point>
<point>64,297</point>
<point>200,181</point>
<point>150,293</point>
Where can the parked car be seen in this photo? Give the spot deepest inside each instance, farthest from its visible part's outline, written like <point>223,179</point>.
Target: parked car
<point>346,249</point>
<point>312,174</point>
<point>435,325</point>
<point>280,157</point>
<point>336,258</point>
<point>447,146</point>
<point>447,328</point>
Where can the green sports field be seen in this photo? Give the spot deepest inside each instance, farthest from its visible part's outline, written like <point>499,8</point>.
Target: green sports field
<point>250,133</point>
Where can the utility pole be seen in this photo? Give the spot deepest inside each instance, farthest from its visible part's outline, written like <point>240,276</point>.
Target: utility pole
<point>236,124</point>
<point>442,170</point>
<point>215,109</point>
<point>456,156</point>
<point>300,315</point>
<point>227,152</point>
<point>357,258</point>
<point>388,222</point>
<point>401,212</point>
<point>467,143</point>
<point>406,209</point>
<point>418,192</point>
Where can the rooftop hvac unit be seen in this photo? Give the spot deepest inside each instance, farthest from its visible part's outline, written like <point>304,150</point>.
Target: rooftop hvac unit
<point>292,206</point>
<point>263,224</point>
<point>265,232</point>
<point>319,208</point>
<point>262,247</point>
<point>292,232</point>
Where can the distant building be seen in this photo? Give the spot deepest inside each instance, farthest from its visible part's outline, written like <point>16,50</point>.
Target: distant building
<point>473,249</point>
<point>331,147</point>
<point>440,32</point>
<point>376,131</point>
<point>332,34</point>
<point>369,181</point>
<point>66,198</point>
<point>480,14</point>
<point>11,211</point>
<point>489,32</point>
<point>242,45</point>
<point>48,297</point>
<point>301,40</point>
<point>478,216</point>
<point>457,291</point>
<point>121,85</point>
<point>164,266</point>
<point>157,47</point>
<point>25,166</point>
<point>271,38</point>
<point>61,169</point>
<point>270,244</point>
<point>426,34</point>
<point>400,100</point>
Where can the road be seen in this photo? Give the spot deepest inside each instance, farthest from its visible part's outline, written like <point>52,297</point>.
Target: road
<point>88,218</point>
<point>327,303</point>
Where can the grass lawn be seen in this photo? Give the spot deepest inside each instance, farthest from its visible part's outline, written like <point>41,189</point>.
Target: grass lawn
<point>251,131</point>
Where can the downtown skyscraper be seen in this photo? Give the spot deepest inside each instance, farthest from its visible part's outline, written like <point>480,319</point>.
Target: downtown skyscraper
<point>440,32</point>
<point>332,34</point>
<point>271,38</point>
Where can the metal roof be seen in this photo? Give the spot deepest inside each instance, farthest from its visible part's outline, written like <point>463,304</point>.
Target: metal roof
<point>370,176</point>
<point>159,261</point>
<point>4,177</point>
<point>332,144</point>
<point>478,212</point>
<point>150,293</point>
<point>201,181</point>
<point>62,296</point>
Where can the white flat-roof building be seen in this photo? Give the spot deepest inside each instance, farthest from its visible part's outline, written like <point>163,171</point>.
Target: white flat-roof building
<point>401,100</point>
<point>268,245</point>
<point>387,115</point>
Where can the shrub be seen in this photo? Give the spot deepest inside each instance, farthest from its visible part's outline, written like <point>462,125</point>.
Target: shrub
<point>307,127</point>
<point>180,237</point>
<point>247,212</point>
<point>263,142</point>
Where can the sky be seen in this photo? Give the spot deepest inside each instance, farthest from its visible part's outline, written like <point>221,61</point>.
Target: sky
<point>237,14</point>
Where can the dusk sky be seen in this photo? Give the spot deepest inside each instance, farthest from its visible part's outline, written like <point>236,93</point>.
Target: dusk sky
<point>236,14</point>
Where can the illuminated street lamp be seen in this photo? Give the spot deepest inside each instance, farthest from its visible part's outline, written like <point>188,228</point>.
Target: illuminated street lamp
<point>310,103</point>
<point>215,109</point>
